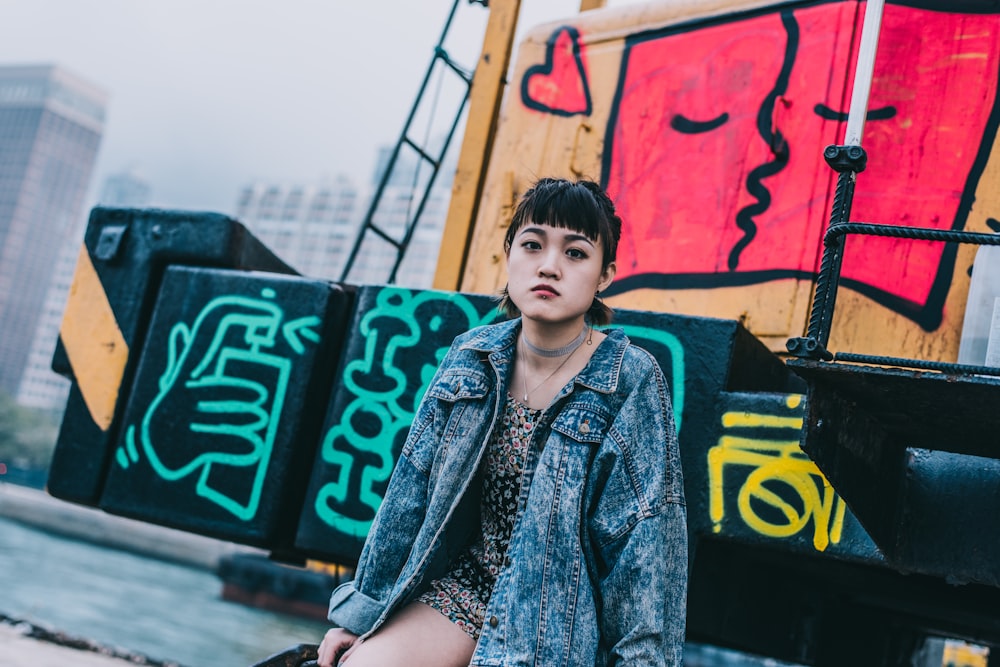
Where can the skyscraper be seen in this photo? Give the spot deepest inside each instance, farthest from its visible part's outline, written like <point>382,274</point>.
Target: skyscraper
<point>40,386</point>
<point>310,227</point>
<point>313,229</point>
<point>51,123</point>
<point>126,189</point>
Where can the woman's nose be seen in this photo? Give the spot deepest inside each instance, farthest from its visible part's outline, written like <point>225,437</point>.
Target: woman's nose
<point>549,265</point>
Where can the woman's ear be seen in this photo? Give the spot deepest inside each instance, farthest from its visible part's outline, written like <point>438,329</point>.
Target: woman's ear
<point>607,276</point>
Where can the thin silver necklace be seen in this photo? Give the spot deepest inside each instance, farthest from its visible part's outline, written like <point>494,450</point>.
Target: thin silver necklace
<point>569,348</point>
<point>574,346</point>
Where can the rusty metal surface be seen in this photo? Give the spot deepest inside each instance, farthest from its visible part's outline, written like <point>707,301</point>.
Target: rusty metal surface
<point>939,411</point>
<point>915,455</point>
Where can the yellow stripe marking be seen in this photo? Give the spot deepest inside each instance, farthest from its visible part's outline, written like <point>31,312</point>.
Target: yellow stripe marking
<point>95,346</point>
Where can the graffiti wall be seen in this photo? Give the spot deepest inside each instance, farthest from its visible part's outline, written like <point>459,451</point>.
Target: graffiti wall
<point>394,343</point>
<point>270,409</point>
<point>706,121</point>
<point>762,487</point>
<point>233,371</point>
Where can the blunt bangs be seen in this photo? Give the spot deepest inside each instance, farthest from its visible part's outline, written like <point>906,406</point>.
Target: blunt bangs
<point>576,206</point>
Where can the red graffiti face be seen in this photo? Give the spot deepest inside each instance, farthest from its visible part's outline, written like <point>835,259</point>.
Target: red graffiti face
<point>716,142</point>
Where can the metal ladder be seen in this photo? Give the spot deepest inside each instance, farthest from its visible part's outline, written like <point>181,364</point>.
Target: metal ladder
<point>423,153</point>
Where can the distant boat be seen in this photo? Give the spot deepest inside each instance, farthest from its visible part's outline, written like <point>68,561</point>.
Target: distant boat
<point>257,581</point>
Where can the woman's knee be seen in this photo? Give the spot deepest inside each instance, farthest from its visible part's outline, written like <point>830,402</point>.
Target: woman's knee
<point>417,635</point>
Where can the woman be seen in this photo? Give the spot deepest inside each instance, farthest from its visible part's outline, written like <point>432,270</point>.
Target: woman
<point>536,514</point>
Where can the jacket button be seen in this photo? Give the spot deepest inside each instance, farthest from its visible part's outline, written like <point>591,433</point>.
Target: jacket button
<point>494,621</point>
<point>584,427</point>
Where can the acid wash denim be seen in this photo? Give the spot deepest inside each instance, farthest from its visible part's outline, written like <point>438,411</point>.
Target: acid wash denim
<point>596,568</point>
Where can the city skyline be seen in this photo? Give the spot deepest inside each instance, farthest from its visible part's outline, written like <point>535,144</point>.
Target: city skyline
<point>213,98</point>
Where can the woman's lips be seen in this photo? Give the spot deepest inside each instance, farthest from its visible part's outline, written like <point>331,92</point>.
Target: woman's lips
<point>544,291</point>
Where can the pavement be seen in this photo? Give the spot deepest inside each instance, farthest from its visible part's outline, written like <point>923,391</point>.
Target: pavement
<point>22,648</point>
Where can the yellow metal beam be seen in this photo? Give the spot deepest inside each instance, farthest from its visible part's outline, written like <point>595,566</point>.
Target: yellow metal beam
<point>484,108</point>
<point>586,5</point>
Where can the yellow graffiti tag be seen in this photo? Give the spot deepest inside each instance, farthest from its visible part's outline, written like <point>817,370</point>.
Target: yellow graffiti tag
<point>777,463</point>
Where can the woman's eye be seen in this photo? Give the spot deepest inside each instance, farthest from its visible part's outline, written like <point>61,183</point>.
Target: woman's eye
<point>531,245</point>
<point>576,253</point>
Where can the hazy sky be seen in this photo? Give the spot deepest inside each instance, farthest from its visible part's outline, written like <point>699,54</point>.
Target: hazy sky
<point>206,96</point>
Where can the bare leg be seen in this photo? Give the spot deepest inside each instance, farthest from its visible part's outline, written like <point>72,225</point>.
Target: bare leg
<point>417,636</point>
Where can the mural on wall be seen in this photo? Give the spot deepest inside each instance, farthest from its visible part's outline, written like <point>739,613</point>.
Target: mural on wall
<point>394,347</point>
<point>227,403</point>
<point>781,491</point>
<point>559,85</point>
<point>231,416</point>
<point>756,91</point>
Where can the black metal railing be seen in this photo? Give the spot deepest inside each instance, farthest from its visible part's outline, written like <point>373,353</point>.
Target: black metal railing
<point>848,161</point>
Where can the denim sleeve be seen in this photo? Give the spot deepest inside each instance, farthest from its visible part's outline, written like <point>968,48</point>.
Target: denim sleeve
<point>644,592</point>
<point>357,605</point>
<point>640,530</point>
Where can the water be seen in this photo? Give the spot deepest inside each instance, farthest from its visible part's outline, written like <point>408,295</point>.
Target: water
<point>172,612</point>
<point>163,610</point>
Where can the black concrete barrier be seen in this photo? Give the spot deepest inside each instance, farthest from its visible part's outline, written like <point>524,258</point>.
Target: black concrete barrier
<point>220,427</point>
<point>124,254</point>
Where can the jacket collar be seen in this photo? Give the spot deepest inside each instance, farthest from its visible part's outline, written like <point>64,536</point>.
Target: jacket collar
<point>600,374</point>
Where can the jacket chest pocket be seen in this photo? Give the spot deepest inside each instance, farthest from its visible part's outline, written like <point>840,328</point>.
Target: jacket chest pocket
<point>576,433</point>
<point>458,384</point>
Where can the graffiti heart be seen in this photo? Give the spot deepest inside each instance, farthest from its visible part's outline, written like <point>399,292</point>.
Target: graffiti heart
<point>559,85</point>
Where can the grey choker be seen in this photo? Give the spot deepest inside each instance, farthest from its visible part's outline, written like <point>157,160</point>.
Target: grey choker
<point>559,351</point>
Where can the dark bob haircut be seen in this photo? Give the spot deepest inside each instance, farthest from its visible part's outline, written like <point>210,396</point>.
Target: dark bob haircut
<point>581,206</point>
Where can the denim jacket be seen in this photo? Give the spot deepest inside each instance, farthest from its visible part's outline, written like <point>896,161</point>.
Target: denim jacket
<point>596,567</point>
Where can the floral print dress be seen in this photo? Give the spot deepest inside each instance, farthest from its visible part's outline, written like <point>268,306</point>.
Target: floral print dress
<point>462,594</point>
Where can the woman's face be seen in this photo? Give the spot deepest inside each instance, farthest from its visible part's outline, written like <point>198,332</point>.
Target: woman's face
<point>553,273</point>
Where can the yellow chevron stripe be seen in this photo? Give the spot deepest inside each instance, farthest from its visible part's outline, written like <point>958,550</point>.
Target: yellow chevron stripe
<point>95,346</point>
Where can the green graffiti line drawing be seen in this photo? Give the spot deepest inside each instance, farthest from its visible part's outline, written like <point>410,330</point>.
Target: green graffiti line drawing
<point>382,356</point>
<point>232,418</point>
<point>384,407</point>
<point>672,343</point>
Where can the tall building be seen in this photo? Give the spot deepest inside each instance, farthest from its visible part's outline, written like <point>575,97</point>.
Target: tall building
<point>51,123</point>
<point>40,386</point>
<point>313,229</point>
<point>309,227</point>
<point>126,189</point>
<point>397,207</point>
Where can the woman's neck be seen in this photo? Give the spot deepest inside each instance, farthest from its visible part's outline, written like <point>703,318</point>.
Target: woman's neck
<point>552,340</point>
<point>537,378</point>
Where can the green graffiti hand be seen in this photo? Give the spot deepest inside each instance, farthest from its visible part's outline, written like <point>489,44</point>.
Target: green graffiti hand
<point>219,400</point>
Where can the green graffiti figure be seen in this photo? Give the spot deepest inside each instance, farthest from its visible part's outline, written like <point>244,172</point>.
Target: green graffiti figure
<point>382,406</point>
